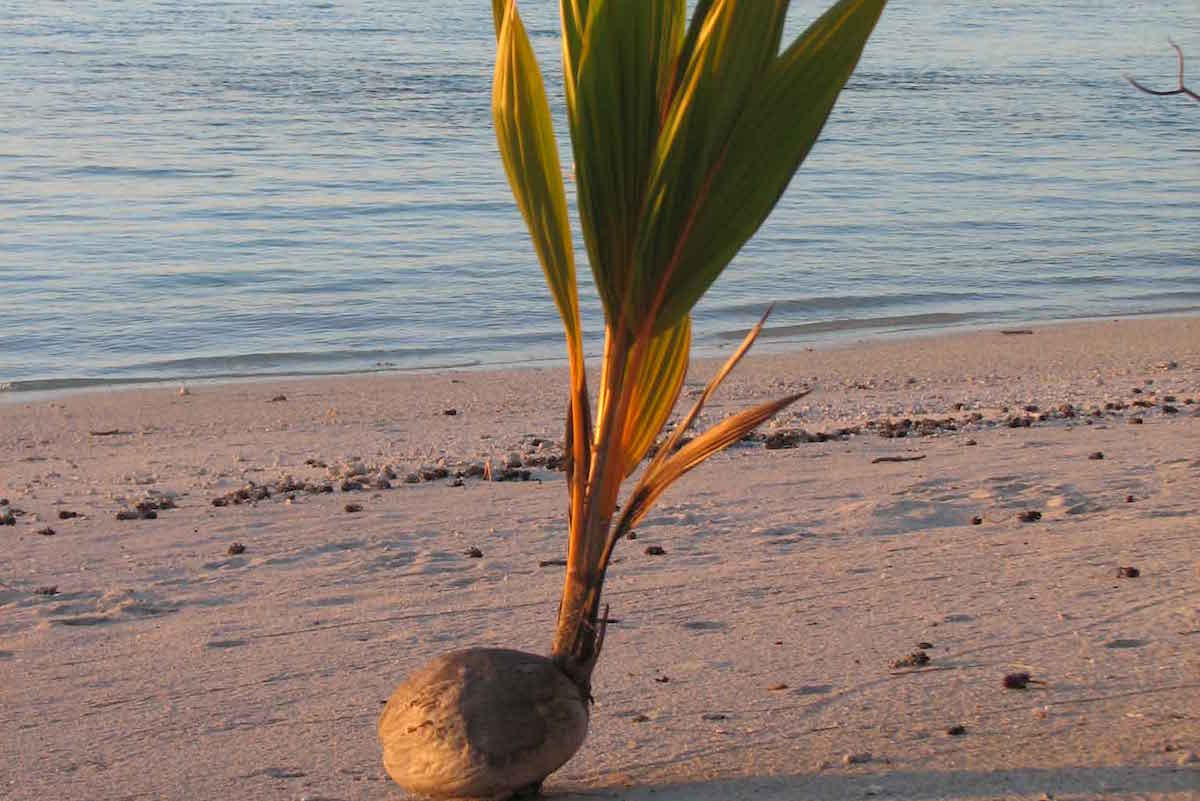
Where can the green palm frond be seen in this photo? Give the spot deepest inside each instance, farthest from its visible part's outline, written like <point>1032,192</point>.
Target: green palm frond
<point>783,115</point>
<point>684,135</point>
<point>626,61</point>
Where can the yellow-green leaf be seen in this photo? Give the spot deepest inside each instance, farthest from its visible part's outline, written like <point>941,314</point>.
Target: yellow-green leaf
<point>669,446</point>
<point>656,386</point>
<point>525,136</point>
<point>713,441</point>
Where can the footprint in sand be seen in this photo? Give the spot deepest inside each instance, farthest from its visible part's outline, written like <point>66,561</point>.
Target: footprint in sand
<point>276,773</point>
<point>218,644</point>
<point>434,562</point>
<point>1123,643</point>
<point>1071,501</point>
<point>813,689</point>
<point>332,600</point>
<point>705,625</point>
<point>884,518</point>
<point>220,564</point>
<point>114,606</point>
<point>392,560</point>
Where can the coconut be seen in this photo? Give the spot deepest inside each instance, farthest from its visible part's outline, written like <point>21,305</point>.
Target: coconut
<point>482,723</point>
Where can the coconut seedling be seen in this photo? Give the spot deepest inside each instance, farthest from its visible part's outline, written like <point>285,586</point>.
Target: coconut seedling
<point>684,135</point>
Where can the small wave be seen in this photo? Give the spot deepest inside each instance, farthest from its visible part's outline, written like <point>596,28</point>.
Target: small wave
<point>63,384</point>
<point>905,321</point>
<point>836,303</point>
<point>112,170</point>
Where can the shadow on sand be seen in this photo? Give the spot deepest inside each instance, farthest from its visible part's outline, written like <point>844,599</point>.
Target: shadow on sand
<point>1077,782</point>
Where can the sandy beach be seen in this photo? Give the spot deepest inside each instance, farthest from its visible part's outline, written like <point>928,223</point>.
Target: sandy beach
<point>211,594</point>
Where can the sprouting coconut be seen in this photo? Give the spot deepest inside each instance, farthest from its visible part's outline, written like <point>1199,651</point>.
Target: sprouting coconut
<point>684,138</point>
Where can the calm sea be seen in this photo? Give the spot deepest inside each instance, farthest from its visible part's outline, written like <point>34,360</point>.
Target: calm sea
<point>194,189</point>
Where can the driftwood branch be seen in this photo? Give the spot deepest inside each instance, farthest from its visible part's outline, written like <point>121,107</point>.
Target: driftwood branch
<point>1181,90</point>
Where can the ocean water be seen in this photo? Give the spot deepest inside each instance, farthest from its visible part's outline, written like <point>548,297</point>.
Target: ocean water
<point>244,188</point>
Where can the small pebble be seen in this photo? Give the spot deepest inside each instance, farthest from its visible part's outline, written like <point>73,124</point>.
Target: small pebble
<point>450,412</point>
<point>278,399</point>
<point>1130,499</point>
<point>956,731</point>
<point>351,508</point>
<point>777,687</point>
<point>976,521</point>
<point>1096,455</point>
<point>856,759</point>
<point>1030,516</point>
<point>640,718</point>
<point>473,553</point>
<point>655,550</point>
<point>1016,681</point>
<point>235,549</point>
<point>924,645</point>
<point>915,659</point>
<point>713,716</point>
<point>63,514</point>
<point>1128,572</point>
<point>49,589</point>
<point>47,532</point>
<point>128,514</point>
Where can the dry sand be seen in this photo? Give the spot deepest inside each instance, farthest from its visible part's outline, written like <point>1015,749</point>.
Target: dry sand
<point>752,660</point>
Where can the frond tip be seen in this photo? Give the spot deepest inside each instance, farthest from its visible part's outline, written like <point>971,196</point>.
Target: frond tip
<point>711,442</point>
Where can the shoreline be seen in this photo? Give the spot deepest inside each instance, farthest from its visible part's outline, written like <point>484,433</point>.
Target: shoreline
<point>760,652</point>
<point>769,342</point>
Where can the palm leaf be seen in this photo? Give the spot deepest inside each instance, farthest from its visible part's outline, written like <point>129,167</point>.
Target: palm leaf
<point>574,15</point>
<point>795,95</point>
<point>659,477</point>
<point>525,136</point>
<point>730,51</point>
<point>724,164</point>
<point>684,424</point>
<point>626,59</point>
<point>656,386</point>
